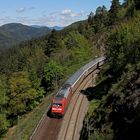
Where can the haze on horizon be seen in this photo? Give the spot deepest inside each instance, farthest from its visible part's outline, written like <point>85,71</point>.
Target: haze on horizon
<point>48,12</point>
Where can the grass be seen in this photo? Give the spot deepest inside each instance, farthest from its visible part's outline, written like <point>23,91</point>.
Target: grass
<point>93,105</point>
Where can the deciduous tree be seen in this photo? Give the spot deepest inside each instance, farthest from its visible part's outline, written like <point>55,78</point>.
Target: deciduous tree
<point>21,93</point>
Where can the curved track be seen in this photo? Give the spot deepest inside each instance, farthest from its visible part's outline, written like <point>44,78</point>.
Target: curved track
<point>48,129</point>
<point>66,128</point>
<point>73,119</point>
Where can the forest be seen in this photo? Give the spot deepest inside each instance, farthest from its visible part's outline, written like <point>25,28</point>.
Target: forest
<point>115,102</point>
<point>31,70</point>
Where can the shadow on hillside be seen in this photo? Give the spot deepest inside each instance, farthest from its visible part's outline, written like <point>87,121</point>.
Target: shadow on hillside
<point>126,130</point>
<point>98,91</point>
<point>125,122</point>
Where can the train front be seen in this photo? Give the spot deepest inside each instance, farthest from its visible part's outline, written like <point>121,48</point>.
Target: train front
<point>57,108</point>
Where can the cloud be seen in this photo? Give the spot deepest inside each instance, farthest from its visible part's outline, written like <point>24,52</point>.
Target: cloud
<point>31,8</point>
<point>3,12</point>
<point>5,20</point>
<point>23,9</point>
<point>65,17</point>
<point>66,11</point>
<point>20,10</point>
<point>60,18</point>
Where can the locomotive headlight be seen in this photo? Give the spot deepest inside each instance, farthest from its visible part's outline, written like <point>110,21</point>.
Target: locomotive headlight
<point>54,109</point>
<point>60,109</point>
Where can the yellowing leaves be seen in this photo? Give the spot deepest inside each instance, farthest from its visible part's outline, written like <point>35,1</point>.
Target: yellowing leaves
<point>21,92</point>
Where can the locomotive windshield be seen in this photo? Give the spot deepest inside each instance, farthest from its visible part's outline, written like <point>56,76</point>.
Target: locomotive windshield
<point>57,104</point>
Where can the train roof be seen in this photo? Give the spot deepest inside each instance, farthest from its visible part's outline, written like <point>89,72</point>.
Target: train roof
<point>78,73</point>
<point>62,92</point>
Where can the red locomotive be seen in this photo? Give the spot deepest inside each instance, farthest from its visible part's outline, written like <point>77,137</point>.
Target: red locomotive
<point>62,98</point>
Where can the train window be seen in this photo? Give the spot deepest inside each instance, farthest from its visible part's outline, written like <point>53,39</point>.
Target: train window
<point>57,104</point>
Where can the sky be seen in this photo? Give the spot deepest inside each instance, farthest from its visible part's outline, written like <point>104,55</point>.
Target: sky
<point>48,12</point>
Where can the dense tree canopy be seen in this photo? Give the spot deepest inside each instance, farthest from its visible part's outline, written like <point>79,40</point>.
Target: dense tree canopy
<point>3,101</point>
<point>116,116</point>
<point>53,72</point>
<point>113,12</point>
<point>21,93</point>
<point>31,70</point>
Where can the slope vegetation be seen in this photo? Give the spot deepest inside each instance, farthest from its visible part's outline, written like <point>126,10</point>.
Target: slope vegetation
<point>13,33</point>
<point>115,101</point>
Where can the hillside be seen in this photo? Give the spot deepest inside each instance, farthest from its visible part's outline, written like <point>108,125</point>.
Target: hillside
<point>115,101</point>
<point>14,33</point>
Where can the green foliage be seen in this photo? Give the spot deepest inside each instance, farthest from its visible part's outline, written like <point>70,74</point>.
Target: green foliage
<point>90,18</point>
<point>113,12</point>
<point>21,93</point>
<point>130,8</point>
<point>93,105</point>
<point>123,45</point>
<point>53,73</point>
<point>36,84</point>
<point>3,101</point>
<point>100,18</point>
<point>61,62</point>
<point>3,91</point>
<point>23,58</point>
<point>78,51</point>
<point>117,116</point>
<point>52,43</point>
<point>4,124</point>
<point>35,67</point>
<point>98,21</point>
<point>14,33</point>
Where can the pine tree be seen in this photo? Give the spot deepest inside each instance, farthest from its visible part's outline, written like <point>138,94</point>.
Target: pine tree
<point>52,42</point>
<point>130,5</point>
<point>90,18</point>
<point>100,18</point>
<point>113,12</point>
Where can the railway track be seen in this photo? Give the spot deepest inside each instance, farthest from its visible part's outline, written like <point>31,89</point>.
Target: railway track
<point>71,126</point>
<point>66,128</point>
<point>70,129</point>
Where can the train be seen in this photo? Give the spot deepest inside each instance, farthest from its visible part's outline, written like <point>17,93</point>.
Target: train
<point>62,99</point>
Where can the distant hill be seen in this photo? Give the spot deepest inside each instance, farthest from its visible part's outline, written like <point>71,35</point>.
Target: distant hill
<point>56,28</point>
<point>38,26</point>
<point>14,33</point>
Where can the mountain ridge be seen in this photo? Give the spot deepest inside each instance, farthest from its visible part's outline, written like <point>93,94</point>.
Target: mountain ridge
<point>14,33</point>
